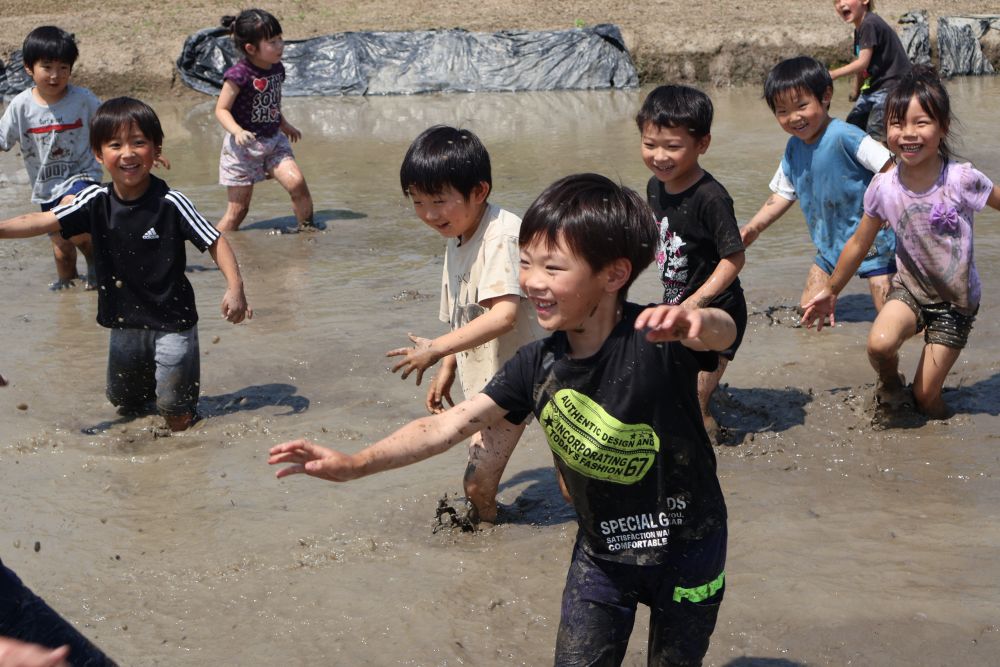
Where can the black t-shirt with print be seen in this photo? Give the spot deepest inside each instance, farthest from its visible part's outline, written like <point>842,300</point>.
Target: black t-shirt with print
<point>627,436</point>
<point>889,60</point>
<point>697,228</point>
<point>139,254</point>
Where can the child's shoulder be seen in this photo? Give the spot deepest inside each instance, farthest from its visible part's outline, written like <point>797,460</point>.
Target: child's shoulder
<point>499,221</point>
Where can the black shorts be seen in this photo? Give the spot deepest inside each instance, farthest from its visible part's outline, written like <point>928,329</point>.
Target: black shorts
<point>735,304</point>
<point>941,323</point>
<point>601,596</point>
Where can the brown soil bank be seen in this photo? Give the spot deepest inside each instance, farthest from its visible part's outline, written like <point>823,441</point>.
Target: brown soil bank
<point>130,47</point>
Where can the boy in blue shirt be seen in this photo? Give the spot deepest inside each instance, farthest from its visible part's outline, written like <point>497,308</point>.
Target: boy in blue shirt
<point>51,121</point>
<point>826,167</point>
<point>640,473</point>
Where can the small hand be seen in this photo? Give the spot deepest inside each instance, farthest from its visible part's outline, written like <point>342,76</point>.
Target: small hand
<point>440,390</point>
<point>14,653</point>
<point>819,308</point>
<point>161,161</point>
<point>417,358</point>
<point>3,381</point>
<point>235,307</point>
<point>852,97</point>
<point>308,458</point>
<point>291,132</point>
<point>244,137</point>
<point>669,323</point>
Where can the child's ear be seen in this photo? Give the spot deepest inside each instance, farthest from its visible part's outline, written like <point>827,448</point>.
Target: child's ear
<point>827,97</point>
<point>618,272</point>
<point>480,192</point>
<point>250,49</point>
<point>703,144</point>
<point>99,157</point>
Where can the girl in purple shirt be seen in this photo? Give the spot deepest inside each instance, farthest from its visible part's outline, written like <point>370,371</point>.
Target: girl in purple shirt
<point>256,146</point>
<point>929,199</point>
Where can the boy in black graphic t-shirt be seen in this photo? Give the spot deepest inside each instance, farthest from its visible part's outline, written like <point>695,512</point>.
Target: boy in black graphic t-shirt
<point>699,250</point>
<point>615,390</point>
<point>138,226</point>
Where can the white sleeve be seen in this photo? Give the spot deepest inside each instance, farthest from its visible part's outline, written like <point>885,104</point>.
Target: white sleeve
<point>782,186</point>
<point>872,154</point>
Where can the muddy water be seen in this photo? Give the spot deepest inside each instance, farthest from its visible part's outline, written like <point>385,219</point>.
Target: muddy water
<point>849,545</point>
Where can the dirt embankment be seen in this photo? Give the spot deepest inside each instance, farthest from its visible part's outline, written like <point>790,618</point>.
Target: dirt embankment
<point>130,47</point>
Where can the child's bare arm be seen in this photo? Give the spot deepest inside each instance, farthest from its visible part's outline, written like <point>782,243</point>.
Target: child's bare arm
<point>234,302</point>
<point>722,277</point>
<point>29,224</point>
<point>418,440</point>
<point>289,130</point>
<point>775,207</point>
<point>701,329</point>
<point>856,66</point>
<point>994,199</point>
<point>499,318</point>
<point>824,303</point>
<point>223,112</point>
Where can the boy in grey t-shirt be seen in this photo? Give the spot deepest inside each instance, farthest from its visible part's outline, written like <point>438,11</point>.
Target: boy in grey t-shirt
<point>51,121</point>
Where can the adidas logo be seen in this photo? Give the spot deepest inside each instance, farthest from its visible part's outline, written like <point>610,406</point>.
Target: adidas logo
<point>151,235</point>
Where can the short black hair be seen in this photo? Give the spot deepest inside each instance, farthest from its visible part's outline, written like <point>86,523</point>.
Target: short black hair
<point>597,219</point>
<point>800,73</point>
<point>121,112</point>
<point>250,27</point>
<point>677,106</point>
<point>923,83</point>
<point>443,157</point>
<point>49,43</point>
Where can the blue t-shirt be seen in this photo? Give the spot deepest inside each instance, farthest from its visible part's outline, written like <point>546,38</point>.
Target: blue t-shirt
<point>829,178</point>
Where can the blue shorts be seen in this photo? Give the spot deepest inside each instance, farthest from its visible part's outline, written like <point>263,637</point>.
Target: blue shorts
<point>76,188</point>
<point>146,365</point>
<point>601,596</point>
<point>880,260</point>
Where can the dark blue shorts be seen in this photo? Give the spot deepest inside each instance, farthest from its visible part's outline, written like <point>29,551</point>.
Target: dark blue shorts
<point>601,597</point>
<point>76,188</point>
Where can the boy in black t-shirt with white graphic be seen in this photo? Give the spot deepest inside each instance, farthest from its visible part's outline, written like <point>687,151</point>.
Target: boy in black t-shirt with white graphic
<point>139,226</point>
<point>615,390</point>
<point>699,250</point>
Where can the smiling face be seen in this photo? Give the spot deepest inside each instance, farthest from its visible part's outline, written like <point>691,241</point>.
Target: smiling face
<point>266,52</point>
<point>671,153</point>
<point>916,137</point>
<point>852,11</point>
<point>449,213</point>
<point>563,288</point>
<point>128,156</point>
<point>51,78</point>
<point>801,115</point>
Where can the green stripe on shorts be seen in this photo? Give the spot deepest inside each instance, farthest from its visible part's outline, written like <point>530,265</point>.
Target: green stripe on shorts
<point>700,593</point>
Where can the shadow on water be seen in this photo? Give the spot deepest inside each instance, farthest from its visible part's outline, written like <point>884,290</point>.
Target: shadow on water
<point>754,661</point>
<point>745,411</point>
<point>855,308</point>
<point>254,398</point>
<point>540,504</point>
<point>320,219</point>
<point>244,400</point>
<point>980,398</point>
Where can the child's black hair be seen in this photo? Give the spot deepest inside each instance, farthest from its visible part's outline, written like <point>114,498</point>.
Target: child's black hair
<point>121,112</point>
<point>597,220</point>
<point>250,27</point>
<point>800,73</point>
<point>677,106</point>
<point>443,157</point>
<point>49,43</point>
<point>923,83</point>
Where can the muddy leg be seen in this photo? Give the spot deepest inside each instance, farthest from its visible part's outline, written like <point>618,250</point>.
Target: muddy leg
<point>489,451</point>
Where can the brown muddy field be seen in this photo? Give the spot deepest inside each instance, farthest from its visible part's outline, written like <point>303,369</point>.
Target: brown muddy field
<point>849,544</point>
<point>130,47</point>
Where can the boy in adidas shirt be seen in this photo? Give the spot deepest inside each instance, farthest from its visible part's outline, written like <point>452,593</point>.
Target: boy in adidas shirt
<point>138,226</point>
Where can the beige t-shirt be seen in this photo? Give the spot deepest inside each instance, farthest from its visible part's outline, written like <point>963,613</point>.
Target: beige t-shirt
<point>483,267</point>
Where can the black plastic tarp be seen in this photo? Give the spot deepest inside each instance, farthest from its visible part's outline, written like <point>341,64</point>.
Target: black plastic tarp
<point>391,63</point>
<point>959,49</point>
<point>13,78</point>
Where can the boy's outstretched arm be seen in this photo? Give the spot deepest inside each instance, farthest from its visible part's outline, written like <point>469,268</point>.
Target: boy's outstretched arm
<point>234,302</point>
<point>418,440</point>
<point>824,303</point>
<point>701,329</point>
<point>30,224</point>
<point>775,207</point>
<point>722,277</point>
<point>499,318</point>
<point>856,66</point>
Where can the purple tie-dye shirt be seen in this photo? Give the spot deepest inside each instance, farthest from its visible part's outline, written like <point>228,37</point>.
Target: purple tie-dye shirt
<point>934,233</point>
